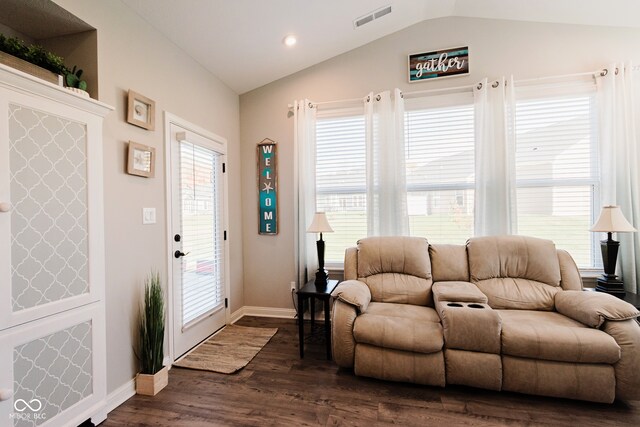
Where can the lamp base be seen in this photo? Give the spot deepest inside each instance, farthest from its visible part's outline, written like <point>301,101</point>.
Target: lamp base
<point>322,278</point>
<point>611,285</point>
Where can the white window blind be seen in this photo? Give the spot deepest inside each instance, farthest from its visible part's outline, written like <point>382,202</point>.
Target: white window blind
<point>202,228</point>
<point>341,179</point>
<point>439,147</point>
<point>557,175</point>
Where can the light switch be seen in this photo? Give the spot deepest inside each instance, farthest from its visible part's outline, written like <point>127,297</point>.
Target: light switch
<point>148,215</point>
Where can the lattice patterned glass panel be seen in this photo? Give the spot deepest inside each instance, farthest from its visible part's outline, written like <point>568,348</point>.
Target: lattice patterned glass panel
<point>48,170</point>
<point>52,373</point>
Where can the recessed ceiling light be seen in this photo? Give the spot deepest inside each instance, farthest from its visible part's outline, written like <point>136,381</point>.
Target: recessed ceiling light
<point>290,40</point>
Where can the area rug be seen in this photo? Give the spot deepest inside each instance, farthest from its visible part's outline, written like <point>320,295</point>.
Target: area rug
<point>229,350</point>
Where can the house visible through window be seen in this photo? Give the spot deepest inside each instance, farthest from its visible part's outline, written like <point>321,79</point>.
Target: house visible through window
<point>341,189</point>
<point>557,174</point>
<point>439,148</point>
<point>556,170</point>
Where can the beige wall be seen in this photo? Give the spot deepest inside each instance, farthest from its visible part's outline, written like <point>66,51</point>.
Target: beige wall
<point>132,55</point>
<point>524,49</point>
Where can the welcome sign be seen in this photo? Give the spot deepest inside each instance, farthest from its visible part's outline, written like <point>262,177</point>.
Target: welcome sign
<point>439,63</point>
<point>267,187</point>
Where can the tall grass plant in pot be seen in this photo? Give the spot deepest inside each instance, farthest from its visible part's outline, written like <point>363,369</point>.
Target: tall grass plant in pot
<point>153,376</point>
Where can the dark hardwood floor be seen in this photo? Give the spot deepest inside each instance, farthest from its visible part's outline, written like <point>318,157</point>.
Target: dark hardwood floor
<point>279,389</point>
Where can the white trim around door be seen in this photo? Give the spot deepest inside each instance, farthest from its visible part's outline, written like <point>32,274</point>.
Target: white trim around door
<point>195,132</point>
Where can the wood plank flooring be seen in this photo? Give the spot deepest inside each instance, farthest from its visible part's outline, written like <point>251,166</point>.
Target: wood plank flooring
<point>279,389</point>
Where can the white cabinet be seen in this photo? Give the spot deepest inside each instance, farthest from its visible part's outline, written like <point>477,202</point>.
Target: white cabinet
<point>52,326</point>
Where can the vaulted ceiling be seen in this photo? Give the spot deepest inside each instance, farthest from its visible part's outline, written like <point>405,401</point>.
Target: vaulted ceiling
<point>241,41</point>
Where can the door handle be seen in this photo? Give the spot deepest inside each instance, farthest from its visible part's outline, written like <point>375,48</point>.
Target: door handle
<point>5,394</point>
<point>5,206</point>
<point>180,254</point>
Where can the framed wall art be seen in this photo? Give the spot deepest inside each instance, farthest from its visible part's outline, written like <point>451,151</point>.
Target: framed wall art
<point>141,111</point>
<point>141,160</point>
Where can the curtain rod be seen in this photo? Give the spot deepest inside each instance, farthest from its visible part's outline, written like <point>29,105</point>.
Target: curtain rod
<point>338,101</point>
<point>453,89</point>
<point>603,72</point>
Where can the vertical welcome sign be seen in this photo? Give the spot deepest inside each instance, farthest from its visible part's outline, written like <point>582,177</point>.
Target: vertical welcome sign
<point>267,187</point>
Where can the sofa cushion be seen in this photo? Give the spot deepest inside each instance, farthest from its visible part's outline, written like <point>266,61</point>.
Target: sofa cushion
<point>399,288</point>
<point>400,327</point>
<point>457,291</point>
<point>404,255</point>
<point>396,269</point>
<point>515,271</point>
<point>552,336</point>
<point>518,294</point>
<point>449,263</point>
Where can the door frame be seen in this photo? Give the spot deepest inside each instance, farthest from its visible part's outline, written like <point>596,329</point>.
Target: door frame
<point>170,119</point>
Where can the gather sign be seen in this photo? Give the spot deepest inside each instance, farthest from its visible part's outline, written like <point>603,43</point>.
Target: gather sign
<point>439,63</point>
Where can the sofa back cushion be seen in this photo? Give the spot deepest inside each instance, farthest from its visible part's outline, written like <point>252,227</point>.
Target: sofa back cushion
<point>515,272</point>
<point>449,263</point>
<point>396,269</point>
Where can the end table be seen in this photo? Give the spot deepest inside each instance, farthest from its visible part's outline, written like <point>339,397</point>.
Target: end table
<point>312,291</point>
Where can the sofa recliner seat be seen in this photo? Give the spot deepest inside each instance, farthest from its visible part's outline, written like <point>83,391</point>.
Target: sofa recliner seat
<point>502,313</point>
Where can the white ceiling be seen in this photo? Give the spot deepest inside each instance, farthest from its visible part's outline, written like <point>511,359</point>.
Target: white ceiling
<point>240,41</point>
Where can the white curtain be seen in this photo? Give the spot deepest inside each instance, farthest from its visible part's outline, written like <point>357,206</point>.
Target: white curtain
<point>620,159</point>
<point>494,105</point>
<point>386,182</point>
<point>304,141</point>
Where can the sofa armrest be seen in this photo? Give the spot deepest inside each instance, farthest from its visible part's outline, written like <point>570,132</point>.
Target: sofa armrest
<point>458,292</point>
<point>570,279</point>
<point>593,308</point>
<point>627,369</point>
<point>343,343</point>
<point>355,293</point>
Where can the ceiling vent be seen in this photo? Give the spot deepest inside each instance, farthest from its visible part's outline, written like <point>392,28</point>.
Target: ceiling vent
<point>378,13</point>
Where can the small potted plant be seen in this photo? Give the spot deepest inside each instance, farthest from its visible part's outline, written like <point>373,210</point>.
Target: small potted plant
<point>153,376</point>
<point>74,83</point>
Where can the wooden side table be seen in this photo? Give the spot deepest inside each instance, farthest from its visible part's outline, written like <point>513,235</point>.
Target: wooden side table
<point>311,291</point>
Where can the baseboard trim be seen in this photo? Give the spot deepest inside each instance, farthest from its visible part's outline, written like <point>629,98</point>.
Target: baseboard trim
<point>121,395</point>
<point>236,315</point>
<point>247,310</point>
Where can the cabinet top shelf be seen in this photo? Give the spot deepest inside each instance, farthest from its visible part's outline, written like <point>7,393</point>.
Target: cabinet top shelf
<point>19,81</point>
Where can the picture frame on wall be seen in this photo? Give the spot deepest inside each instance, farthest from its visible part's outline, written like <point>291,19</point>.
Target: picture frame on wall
<point>141,160</point>
<point>141,111</point>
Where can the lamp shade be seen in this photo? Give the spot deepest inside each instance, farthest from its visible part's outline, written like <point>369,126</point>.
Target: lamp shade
<point>612,220</point>
<point>320,224</point>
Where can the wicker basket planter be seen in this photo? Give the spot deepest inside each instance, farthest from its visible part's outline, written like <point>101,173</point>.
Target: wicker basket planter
<point>31,69</point>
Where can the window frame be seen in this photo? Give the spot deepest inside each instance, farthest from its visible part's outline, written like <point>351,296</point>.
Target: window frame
<point>575,89</point>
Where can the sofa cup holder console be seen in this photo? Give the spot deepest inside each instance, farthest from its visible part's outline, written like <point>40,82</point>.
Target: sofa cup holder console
<point>471,305</point>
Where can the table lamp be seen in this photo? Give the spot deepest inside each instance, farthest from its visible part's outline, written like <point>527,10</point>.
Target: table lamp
<point>320,225</point>
<point>611,220</point>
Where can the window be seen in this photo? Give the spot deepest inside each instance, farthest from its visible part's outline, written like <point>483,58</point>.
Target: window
<point>439,147</point>
<point>341,178</point>
<point>557,174</point>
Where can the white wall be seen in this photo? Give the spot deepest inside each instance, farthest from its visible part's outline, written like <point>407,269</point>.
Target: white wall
<point>497,47</point>
<point>132,55</point>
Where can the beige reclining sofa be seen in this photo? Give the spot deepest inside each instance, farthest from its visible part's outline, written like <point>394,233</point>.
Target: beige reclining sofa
<point>501,313</point>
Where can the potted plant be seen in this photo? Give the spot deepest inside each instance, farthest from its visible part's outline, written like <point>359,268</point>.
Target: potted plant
<point>33,59</point>
<point>153,376</point>
<point>74,83</point>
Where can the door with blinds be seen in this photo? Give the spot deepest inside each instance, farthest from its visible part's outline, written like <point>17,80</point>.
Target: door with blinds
<point>197,237</point>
